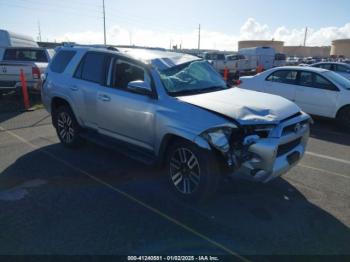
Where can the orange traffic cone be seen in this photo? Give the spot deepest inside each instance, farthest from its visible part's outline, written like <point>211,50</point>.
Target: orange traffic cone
<point>24,90</point>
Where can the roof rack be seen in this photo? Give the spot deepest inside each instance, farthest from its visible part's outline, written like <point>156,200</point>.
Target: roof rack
<point>108,47</point>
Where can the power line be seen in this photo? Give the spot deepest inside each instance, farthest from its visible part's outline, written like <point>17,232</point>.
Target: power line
<point>38,5</point>
<point>66,6</point>
<point>48,8</point>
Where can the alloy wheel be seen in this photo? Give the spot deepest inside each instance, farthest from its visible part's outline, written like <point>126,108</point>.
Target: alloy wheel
<point>185,171</point>
<point>65,127</point>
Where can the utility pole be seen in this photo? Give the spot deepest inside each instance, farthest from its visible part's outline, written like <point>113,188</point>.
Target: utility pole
<point>130,37</point>
<point>305,36</point>
<point>39,32</point>
<point>104,22</point>
<point>199,37</point>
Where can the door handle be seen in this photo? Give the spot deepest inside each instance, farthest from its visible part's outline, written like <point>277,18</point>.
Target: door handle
<point>104,98</point>
<point>74,88</point>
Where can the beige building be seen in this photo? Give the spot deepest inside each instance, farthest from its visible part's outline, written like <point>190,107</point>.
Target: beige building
<point>341,47</point>
<point>306,51</point>
<point>277,45</point>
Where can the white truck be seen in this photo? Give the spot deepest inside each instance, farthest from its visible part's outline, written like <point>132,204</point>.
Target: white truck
<point>262,56</point>
<point>234,63</point>
<point>18,52</point>
<point>242,65</point>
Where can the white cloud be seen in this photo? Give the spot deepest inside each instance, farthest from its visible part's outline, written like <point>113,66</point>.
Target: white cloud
<point>250,30</point>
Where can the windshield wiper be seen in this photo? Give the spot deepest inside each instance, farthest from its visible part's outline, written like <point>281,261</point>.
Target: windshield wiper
<point>198,91</point>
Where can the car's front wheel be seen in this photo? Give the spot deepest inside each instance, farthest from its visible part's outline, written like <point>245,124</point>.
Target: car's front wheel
<point>67,127</point>
<point>192,171</point>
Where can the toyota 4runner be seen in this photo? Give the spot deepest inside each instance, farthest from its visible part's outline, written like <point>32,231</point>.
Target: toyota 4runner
<point>173,110</point>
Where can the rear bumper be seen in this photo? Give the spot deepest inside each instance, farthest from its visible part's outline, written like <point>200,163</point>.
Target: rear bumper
<point>32,86</point>
<point>274,156</point>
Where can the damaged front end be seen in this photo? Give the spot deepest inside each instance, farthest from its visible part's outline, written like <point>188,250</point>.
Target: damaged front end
<point>261,152</point>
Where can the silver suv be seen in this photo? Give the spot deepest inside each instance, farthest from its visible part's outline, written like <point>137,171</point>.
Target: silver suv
<point>173,110</point>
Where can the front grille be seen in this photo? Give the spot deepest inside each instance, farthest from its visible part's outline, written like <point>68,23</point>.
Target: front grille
<point>292,128</point>
<point>285,148</point>
<point>291,117</point>
<point>7,83</point>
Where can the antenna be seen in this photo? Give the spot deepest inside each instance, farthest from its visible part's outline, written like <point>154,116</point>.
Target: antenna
<point>104,22</point>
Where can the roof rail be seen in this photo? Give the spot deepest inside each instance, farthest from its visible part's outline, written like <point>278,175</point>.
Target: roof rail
<point>108,47</point>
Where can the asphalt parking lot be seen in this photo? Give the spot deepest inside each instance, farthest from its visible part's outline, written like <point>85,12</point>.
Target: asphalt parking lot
<point>95,201</point>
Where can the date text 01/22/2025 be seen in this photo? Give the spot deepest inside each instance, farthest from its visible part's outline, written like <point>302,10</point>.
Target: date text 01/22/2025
<point>173,258</point>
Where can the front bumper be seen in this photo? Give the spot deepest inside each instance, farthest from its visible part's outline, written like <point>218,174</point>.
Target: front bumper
<point>273,156</point>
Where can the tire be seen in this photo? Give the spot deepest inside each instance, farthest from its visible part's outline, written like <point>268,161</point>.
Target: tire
<point>343,119</point>
<point>193,173</point>
<point>67,127</point>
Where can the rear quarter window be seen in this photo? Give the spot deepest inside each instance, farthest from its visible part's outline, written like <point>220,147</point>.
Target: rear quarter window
<point>61,61</point>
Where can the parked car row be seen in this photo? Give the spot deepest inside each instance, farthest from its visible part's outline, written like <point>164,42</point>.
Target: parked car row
<point>246,61</point>
<point>315,90</point>
<point>294,60</point>
<point>234,63</point>
<point>340,68</point>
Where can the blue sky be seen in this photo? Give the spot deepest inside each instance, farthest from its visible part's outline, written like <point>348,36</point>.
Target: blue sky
<point>162,21</point>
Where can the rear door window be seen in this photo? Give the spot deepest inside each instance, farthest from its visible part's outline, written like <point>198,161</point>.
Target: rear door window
<point>93,67</point>
<point>306,79</point>
<point>61,61</point>
<point>283,76</point>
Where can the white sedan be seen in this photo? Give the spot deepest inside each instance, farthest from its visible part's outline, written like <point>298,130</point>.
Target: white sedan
<point>316,91</point>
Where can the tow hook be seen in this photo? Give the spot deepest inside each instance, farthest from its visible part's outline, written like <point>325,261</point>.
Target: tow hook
<point>249,140</point>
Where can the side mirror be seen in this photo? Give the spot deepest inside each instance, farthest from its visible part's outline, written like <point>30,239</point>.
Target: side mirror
<point>140,87</point>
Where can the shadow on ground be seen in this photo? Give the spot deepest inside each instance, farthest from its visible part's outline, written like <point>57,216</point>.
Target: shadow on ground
<point>11,106</point>
<point>327,129</point>
<point>56,209</point>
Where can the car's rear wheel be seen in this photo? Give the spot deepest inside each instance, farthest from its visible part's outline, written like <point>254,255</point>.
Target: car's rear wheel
<point>343,118</point>
<point>67,127</point>
<point>192,172</point>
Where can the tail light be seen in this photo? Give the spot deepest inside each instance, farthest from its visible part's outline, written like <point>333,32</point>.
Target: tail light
<point>238,82</point>
<point>36,72</point>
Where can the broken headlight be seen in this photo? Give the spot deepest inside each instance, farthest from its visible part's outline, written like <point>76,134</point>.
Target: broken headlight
<point>219,137</point>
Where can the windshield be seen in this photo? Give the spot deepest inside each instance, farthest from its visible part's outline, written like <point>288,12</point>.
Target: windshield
<point>338,79</point>
<point>194,77</point>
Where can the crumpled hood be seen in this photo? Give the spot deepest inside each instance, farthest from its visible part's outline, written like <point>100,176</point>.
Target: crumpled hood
<point>245,106</point>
